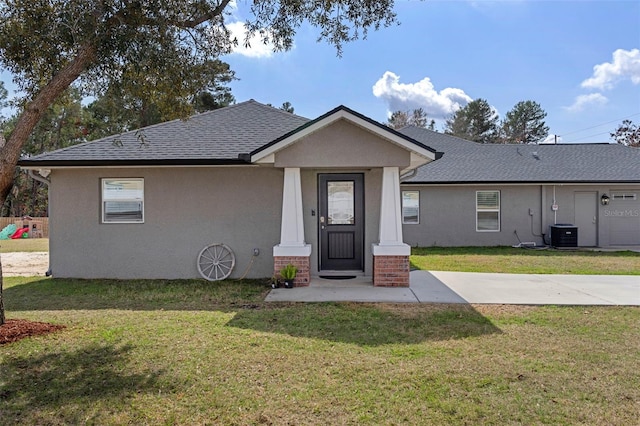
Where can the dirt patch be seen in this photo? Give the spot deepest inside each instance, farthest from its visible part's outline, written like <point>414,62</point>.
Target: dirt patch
<point>25,264</point>
<point>16,329</point>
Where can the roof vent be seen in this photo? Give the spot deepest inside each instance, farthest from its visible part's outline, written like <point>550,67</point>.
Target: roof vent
<point>535,155</point>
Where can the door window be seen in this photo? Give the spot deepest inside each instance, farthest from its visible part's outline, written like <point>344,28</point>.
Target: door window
<point>340,203</point>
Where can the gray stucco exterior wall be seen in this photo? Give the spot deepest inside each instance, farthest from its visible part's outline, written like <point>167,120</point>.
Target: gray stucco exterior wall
<point>448,217</point>
<point>188,208</point>
<point>448,214</point>
<point>185,209</point>
<point>343,145</point>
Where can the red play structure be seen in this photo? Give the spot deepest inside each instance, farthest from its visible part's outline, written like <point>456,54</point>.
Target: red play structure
<point>20,233</point>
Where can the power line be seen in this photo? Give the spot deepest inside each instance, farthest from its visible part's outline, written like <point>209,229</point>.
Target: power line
<point>598,125</point>
<point>587,137</point>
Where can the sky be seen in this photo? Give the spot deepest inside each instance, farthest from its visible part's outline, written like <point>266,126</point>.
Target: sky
<point>580,60</point>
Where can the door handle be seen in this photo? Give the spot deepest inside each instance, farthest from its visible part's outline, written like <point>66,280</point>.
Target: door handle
<point>594,220</point>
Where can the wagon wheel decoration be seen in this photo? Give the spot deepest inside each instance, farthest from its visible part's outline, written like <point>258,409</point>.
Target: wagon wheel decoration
<point>215,262</point>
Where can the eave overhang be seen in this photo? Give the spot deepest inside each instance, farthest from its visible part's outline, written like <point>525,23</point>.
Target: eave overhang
<point>45,164</point>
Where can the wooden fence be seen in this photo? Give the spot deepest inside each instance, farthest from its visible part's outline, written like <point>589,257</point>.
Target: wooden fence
<point>38,226</point>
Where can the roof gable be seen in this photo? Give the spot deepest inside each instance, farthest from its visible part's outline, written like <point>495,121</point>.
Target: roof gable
<point>342,144</point>
<point>265,154</point>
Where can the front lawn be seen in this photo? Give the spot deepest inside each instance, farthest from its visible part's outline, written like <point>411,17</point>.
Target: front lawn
<point>193,352</point>
<point>526,261</point>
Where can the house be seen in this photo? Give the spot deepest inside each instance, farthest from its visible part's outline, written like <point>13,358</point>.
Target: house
<point>491,194</point>
<point>249,188</point>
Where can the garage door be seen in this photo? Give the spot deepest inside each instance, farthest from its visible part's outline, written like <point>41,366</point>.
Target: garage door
<point>624,218</point>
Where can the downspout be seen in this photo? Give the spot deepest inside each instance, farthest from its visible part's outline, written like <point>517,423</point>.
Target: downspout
<point>46,181</point>
<point>543,212</point>
<point>555,212</point>
<point>39,178</point>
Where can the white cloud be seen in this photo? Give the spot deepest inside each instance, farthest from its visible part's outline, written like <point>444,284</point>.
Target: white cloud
<point>584,101</point>
<point>551,139</point>
<point>257,48</point>
<point>625,65</point>
<point>407,96</point>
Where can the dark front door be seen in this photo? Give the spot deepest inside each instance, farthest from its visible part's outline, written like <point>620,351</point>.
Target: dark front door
<point>341,221</point>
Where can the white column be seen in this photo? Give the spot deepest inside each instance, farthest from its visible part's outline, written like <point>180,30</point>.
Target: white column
<point>292,224</point>
<point>390,234</point>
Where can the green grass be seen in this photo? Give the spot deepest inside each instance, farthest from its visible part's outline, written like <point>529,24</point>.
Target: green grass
<point>24,244</point>
<point>525,261</point>
<point>193,352</point>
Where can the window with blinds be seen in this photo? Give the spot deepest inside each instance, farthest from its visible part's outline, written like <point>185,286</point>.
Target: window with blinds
<point>410,207</point>
<point>487,211</point>
<point>122,200</point>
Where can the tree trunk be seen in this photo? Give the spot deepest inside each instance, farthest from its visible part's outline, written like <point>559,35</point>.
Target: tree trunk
<point>33,112</point>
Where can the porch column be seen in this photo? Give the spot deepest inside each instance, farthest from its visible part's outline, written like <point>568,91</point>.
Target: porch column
<point>391,254</point>
<point>292,248</point>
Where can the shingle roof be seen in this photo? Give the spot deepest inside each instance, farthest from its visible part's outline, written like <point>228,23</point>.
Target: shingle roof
<point>224,136</point>
<point>469,162</point>
<point>214,137</point>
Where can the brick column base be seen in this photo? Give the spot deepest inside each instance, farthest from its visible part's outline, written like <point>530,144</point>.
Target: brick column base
<point>302,262</point>
<point>391,271</point>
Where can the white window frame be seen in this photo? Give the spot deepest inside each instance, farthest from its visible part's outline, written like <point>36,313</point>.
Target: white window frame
<point>488,210</point>
<point>124,198</point>
<point>417,221</point>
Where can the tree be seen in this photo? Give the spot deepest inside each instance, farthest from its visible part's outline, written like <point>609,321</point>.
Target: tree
<point>3,98</point>
<point>476,121</point>
<point>65,123</point>
<point>208,101</point>
<point>155,50</point>
<point>417,117</point>
<point>158,50</point>
<point>525,124</point>
<point>117,111</point>
<point>286,106</point>
<point>627,133</point>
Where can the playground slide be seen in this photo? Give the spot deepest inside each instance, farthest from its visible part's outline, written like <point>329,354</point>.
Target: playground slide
<point>8,231</point>
<point>20,233</point>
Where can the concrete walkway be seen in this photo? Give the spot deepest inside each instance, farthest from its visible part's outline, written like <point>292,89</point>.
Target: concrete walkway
<point>469,287</point>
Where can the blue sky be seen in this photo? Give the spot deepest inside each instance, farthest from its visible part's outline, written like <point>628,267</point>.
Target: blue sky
<point>579,59</point>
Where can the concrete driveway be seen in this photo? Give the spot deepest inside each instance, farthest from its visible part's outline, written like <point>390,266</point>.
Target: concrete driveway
<point>525,289</point>
<point>468,287</point>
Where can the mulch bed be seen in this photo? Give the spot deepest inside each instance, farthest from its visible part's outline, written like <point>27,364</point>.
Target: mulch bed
<point>16,329</point>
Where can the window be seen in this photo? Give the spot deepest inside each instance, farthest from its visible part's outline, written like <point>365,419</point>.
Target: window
<point>410,207</point>
<point>340,203</point>
<point>487,211</point>
<point>122,200</point>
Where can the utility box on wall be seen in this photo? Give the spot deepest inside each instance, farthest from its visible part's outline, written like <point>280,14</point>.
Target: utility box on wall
<point>564,235</point>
